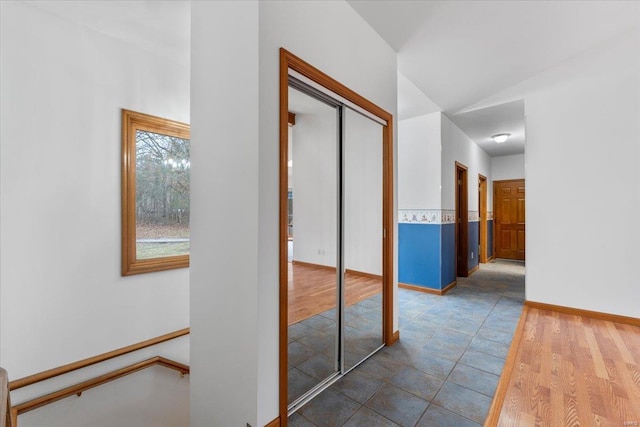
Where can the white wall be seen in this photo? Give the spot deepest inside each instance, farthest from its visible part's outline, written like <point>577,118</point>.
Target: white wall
<point>290,153</point>
<point>224,206</point>
<point>334,38</point>
<point>315,191</point>
<point>583,185</point>
<point>457,146</point>
<point>363,194</point>
<point>419,167</point>
<point>234,268</point>
<point>62,296</point>
<point>507,167</point>
<point>315,160</point>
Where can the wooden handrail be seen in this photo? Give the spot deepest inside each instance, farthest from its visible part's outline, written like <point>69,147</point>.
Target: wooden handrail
<point>51,373</point>
<point>94,382</point>
<point>5,401</point>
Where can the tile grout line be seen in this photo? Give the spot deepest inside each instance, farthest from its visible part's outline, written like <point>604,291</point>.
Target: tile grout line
<point>425,304</point>
<point>458,361</point>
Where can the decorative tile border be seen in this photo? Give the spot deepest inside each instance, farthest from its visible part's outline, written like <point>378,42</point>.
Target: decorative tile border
<point>435,216</point>
<point>431,216</point>
<point>426,216</point>
<point>448,217</point>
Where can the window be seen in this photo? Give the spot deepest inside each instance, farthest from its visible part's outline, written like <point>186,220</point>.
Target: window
<point>156,169</point>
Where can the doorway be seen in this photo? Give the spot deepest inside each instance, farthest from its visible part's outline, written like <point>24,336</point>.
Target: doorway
<point>462,221</point>
<point>336,293</point>
<point>482,211</point>
<point>509,211</point>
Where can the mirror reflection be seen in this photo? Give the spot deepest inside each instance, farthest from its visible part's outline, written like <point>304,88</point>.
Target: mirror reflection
<point>313,241</point>
<point>362,237</point>
<point>335,182</point>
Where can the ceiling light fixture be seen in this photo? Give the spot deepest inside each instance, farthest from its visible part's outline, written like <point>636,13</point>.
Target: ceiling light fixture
<point>501,137</point>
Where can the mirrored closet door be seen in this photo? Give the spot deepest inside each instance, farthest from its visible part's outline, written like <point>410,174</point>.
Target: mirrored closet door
<point>313,163</point>
<point>335,239</point>
<point>362,173</point>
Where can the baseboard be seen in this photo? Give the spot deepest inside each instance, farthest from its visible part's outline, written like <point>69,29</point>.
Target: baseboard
<point>326,267</point>
<point>274,423</point>
<point>395,337</point>
<point>363,274</point>
<point>449,287</point>
<point>491,258</point>
<point>420,288</point>
<point>616,318</point>
<point>312,265</point>
<point>495,409</point>
<point>473,270</point>
<point>428,290</point>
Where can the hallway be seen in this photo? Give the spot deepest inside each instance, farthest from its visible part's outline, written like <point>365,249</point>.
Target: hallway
<point>445,368</point>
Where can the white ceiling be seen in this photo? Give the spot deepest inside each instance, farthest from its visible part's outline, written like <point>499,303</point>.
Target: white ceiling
<point>482,123</point>
<point>162,27</point>
<point>453,56</point>
<point>412,101</point>
<point>460,53</point>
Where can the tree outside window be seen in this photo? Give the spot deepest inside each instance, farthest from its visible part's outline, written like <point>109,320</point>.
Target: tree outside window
<point>155,200</point>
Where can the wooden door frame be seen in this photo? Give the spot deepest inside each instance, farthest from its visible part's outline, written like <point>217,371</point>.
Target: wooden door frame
<point>495,211</point>
<point>462,238</point>
<point>290,61</point>
<point>482,212</point>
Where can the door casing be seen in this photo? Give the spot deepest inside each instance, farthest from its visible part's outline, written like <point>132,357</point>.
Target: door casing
<point>289,61</point>
<point>462,220</point>
<point>509,219</point>
<point>482,211</point>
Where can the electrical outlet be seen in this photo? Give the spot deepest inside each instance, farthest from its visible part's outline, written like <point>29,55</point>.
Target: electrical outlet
<point>471,255</point>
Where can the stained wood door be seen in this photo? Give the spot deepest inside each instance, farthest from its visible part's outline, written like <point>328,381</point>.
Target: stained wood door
<point>509,213</point>
<point>482,201</point>
<point>462,222</point>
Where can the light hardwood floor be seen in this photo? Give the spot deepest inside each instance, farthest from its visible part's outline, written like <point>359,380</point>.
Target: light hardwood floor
<point>569,370</point>
<point>312,290</point>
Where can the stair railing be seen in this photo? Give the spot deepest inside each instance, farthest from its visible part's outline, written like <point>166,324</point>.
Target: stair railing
<point>5,402</point>
<point>10,413</point>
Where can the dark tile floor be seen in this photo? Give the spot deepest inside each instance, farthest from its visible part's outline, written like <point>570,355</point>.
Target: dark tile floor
<point>445,368</point>
<point>312,343</point>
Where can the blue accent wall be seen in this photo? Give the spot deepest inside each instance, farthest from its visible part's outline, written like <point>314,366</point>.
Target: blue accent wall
<point>489,238</point>
<point>426,252</point>
<point>448,264</point>
<point>419,254</point>
<point>474,239</point>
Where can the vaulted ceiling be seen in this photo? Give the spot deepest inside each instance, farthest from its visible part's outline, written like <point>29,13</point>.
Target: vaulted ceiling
<point>453,56</point>
<point>460,53</point>
<point>161,27</point>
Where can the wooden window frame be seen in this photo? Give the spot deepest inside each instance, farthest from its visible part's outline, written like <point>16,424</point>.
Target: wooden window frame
<point>131,122</point>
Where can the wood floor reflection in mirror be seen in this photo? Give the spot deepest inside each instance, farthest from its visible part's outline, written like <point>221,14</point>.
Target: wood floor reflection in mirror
<point>319,282</point>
